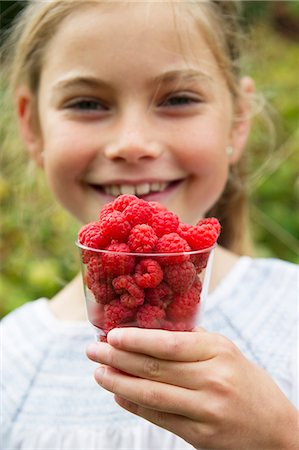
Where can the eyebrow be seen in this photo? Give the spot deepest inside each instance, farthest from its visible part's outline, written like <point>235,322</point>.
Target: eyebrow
<point>80,81</point>
<point>182,75</point>
<point>164,78</point>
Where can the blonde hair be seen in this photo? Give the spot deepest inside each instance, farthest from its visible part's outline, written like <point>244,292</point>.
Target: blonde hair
<point>218,22</point>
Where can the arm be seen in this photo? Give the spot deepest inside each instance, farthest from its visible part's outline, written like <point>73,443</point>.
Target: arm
<point>197,385</point>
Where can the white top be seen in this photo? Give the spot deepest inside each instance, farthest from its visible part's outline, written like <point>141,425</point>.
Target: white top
<point>50,400</point>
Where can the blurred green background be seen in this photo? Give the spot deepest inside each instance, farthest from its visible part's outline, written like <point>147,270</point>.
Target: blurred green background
<point>37,238</point>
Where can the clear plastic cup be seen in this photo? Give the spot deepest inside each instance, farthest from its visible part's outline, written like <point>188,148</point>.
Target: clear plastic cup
<point>147,290</point>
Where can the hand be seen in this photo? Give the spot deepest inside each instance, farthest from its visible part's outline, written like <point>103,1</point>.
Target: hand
<point>197,385</point>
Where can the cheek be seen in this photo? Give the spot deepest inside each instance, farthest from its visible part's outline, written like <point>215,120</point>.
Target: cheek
<point>69,152</point>
<point>204,158</point>
<point>201,146</point>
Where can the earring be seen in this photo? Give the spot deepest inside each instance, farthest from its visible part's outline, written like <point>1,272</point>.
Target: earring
<point>229,150</point>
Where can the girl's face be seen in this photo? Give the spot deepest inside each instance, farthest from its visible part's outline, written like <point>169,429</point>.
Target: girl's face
<point>131,101</point>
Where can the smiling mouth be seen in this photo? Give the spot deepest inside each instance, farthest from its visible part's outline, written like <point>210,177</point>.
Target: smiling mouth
<point>140,190</point>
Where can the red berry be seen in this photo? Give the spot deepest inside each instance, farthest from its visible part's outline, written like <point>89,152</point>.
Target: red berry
<point>172,243</point>
<point>202,236</point>
<point>116,313</point>
<point>116,263</point>
<point>138,211</point>
<point>131,294</point>
<point>95,267</point>
<point>142,239</point>
<point>180,277</point>
<point>115,227</point>
<point>161,291</point>
<point>157,207</point>
<point>212,221</point>
<point>184,305</point>
<point>159,296</point>
<point>122,201</point>
<point>91,236</point>
<point>164,222</point>
<point>149,316</point>
<point>107,209</point>
<point>200,260</point>
<point>183,230</point>
<point>103,291</point>
<point>175,326</point>
<point>148,273</point>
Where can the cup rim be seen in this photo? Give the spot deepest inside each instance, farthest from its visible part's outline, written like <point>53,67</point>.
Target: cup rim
<point>146,254</point>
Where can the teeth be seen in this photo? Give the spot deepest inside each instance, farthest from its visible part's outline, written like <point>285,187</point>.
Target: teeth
<point>115,190</point>
<point>143,189</point>
<point>163,186</point>
<point>155,187</point>
<point>107,190</point>
<point>127,189</point>
<point>140,189</point>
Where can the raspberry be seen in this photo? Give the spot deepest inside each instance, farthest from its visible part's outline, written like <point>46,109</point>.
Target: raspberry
<point>180,277</point>
<point>164,222</point>
<point>116,313</point>
<point>148,273</point>
<point>162,291</point>
<point>212,221</point>
<point>138,211</point>
<point>202,236</point>
<point>114,226</point>
<point>172,243</point>
<point>157,207</point>
<point>108,326</point>
<point>200,261</point>
<point>91,236</point>
<point>107,209</point>
<point>149,316</point>
<point>159,296</point>
<point>103,291</point>
<point>131,294</point>
<point>183,230</point>
<point>175,326</point>
<point>197,285</point>
<point>95,268</point>
<point>142,239</point>
<point>184,305</point>
<point>116,263</point>
<point>122,201</point>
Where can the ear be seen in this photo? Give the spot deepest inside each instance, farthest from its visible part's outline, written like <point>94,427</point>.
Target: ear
<point>242,122</point>
<point>28,123</point>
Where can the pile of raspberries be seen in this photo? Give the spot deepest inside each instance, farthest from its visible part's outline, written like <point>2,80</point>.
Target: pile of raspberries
<point>135,282</point>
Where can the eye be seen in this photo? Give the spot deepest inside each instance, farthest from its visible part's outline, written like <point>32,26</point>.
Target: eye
<point>181,100</point>
<point>86,104</point>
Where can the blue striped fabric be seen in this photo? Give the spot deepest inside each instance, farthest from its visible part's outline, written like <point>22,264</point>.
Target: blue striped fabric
<point>51,401</point>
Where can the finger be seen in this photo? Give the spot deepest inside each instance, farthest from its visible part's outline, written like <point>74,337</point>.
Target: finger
<point>169,345</point>
<point>172,422</point>
<point>186,374</point>
<point>149,394</point>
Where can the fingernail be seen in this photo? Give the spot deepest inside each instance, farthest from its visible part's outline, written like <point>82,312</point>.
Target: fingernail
<point>99,374</point>
<point>91,350</point>
<point>114,336</point>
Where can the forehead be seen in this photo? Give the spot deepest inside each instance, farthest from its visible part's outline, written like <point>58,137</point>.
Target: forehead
<point>135,34</point>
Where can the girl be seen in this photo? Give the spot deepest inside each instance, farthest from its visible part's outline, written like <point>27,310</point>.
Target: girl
<point>146,98</point>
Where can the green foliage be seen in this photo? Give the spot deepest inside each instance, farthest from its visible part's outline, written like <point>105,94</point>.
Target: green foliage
<point>274,187</point>
<point>38,255</point>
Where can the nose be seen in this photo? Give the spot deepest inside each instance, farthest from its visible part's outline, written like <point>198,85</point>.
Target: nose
<point>133,142</point>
